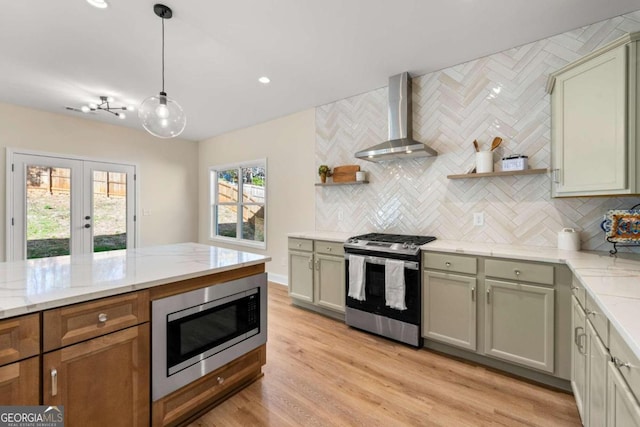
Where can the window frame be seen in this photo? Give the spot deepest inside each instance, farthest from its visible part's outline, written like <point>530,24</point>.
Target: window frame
<point>240,203</point>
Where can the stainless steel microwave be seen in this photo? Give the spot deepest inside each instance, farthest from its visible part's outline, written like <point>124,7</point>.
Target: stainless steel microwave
<point>195,333</point>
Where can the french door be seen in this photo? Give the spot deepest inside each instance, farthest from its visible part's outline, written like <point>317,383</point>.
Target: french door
<point>64,206</point>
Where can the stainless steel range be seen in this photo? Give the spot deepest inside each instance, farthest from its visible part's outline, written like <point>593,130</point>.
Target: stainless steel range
<point>384,285</point>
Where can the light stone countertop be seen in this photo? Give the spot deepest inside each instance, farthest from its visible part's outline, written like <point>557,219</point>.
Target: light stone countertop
<point>40,284</point>
<point>328,236</point>
<point>613,282</point>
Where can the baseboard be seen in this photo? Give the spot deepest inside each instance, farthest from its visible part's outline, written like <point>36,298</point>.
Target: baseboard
<point>278,278</point>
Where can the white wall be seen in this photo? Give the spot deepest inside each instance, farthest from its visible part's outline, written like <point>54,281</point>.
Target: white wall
<point>288,145</point>
<point>167,169</point>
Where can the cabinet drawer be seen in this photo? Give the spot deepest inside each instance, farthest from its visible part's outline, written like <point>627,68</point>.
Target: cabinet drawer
<point>178,406</point>
<point>300,244</point>
<point>448,262</point>
<point>329,248</point>
<point>79,322</point>
<point>577,289</point>
<point>19,338</point>
<point>598,320</point>
<point>621,354</point>
<point>519,271</point>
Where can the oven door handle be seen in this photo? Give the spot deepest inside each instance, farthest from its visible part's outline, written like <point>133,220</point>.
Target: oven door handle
<point>410,265</point>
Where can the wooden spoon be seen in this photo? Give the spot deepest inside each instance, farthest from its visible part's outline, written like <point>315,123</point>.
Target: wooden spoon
<point>475,144</point>
<point>496,143</point>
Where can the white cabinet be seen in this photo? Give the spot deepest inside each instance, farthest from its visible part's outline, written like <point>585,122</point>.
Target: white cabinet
<point>579,358</point>
<point>317,274</point>
<point>598,358</point>
<point>449,309</point>
<point>622,408</point>
<point>301,269</point>
<point>519,323</point>
<point>594,148</point>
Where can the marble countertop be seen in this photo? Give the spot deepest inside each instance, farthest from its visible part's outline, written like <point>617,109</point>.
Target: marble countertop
<point>39,284</point>
<point>329,236</point>
<point>613,282</point>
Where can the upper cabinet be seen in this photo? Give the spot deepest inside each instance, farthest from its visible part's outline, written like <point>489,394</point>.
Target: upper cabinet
<point>594,114</point>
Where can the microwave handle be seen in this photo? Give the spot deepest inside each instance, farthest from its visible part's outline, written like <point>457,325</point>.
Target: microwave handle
<point>410,265</point>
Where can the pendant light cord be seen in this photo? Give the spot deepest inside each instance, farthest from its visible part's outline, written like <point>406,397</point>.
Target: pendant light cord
<point>162,54</point>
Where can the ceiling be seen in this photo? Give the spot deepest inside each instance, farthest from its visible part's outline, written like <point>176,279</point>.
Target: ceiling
<point>57,54</point>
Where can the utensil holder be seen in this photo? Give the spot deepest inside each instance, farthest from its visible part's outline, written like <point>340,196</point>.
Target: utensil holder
<point>484,161</point>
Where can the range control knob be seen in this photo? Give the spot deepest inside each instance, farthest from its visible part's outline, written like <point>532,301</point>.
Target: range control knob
<point>405,245</point>
<point>413,246</point>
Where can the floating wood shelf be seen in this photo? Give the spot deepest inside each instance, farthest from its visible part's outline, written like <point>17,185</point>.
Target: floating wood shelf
<point>331,184</point>
<point>501,173</point>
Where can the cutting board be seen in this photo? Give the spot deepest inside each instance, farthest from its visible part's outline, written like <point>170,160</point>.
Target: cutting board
<point>345,173</point>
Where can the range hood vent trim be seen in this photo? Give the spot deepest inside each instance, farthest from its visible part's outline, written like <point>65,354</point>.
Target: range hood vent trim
<point>401,143</point>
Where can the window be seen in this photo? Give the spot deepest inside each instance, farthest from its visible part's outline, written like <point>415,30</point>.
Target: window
<point>238,194</point>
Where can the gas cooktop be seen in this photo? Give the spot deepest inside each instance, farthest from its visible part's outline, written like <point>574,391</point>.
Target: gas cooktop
<point>390,243</point>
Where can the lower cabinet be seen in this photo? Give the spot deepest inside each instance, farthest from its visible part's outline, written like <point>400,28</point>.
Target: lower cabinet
<point>317,273</point>
<point>597,362</point>
<point>449,311</point>
<point>519,323</point>
<point>514,319</point>
<point>20,383</point>
<point>622,407</point>
<point>579,358</point>
<point>103,381</point>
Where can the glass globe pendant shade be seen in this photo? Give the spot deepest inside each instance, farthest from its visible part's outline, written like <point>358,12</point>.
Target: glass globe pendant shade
<point>162,116</point>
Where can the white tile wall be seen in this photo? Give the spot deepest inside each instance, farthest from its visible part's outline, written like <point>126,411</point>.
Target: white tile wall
<point>499,95</point>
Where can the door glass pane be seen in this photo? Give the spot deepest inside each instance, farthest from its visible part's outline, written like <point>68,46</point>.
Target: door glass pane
<point>109,211</point>
<point>48,211</point>
<point>227,220</point>
<point>228,186</point>
<point>253,222</point>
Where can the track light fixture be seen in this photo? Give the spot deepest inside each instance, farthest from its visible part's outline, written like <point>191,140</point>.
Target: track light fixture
<point>160,115</point>
<point>105,105</point>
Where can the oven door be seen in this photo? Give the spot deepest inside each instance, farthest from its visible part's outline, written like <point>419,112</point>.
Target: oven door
<point>374,285</point>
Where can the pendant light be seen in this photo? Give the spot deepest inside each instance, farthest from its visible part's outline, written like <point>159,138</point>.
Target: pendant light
<point>160,115</point>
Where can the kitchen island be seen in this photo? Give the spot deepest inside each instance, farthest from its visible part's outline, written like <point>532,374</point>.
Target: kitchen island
<point>75,332</point>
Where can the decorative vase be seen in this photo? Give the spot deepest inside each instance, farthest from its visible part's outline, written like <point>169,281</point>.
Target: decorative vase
<point>323,178</point>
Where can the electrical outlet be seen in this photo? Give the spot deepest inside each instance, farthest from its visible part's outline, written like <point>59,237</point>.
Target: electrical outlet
<point>478,219</point>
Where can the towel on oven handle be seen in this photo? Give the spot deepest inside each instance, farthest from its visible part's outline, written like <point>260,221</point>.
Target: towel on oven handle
<point>356,277</point>
<point>394,287</point>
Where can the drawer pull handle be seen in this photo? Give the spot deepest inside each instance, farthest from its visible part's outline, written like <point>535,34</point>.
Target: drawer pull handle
<point>54,382</point>
<point>102,317</point>
<point>299,245</point>
<point>220,380</point>
<point>620,364</point>
<point>489,296</point>
<point>311,263</point>
<point>329,249</point>
<point>592,313</point>
<point>574,288</point>
<point>317,264</point>
<point>517,272</point>
<point>473,294</point>
<point>448,264</point>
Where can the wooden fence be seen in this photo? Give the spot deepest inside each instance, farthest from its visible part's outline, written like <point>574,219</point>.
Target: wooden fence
<point>58,180</point>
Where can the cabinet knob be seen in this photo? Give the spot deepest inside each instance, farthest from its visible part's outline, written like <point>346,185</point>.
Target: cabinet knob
<point>299,245</point>
<point>448,264</point>
<point>517,272</point>
<point>220,380</point>
<point>102,317</point>
<point>329,249</point>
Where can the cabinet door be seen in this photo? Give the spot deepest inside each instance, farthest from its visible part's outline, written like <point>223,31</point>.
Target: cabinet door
<point>329,285</point>
<point>20,383</point>
<point>597,359</point>
<point>579,358</point>
<point>622,407</point>
<point>301,275</point>
<point>103,381</point>
<point>589,109</point>
<point>519,323</point>
<point>449,309</point>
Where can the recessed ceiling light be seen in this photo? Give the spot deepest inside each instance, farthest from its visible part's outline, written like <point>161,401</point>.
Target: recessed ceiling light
<point>264,80</point>
<point>100,4</point>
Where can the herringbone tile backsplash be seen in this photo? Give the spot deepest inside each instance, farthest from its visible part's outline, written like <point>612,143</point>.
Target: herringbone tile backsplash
<point>499,95</point>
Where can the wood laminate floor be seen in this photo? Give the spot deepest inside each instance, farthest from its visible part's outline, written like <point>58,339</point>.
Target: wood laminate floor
<point>320,372</point>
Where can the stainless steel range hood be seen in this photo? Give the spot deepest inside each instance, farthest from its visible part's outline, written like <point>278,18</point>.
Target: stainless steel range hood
<point>401,143</point>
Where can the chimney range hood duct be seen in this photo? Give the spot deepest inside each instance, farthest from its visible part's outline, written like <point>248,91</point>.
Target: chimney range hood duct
<point>401,143</point>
